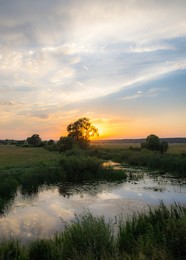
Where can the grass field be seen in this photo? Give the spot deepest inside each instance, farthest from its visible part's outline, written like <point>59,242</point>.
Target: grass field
<point>14,157</point>
<point>174,148</point>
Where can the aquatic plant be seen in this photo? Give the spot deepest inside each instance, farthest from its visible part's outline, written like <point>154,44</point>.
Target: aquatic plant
<point>159,233</point>
<point>13,250</point>
<point>162,230</point>
<point>172,163</point>
<point>87,235</point>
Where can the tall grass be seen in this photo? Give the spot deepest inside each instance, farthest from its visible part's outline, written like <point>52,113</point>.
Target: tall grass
<point>173,163</point>
<point>162,230</point>
<point>89,235</point>
<point>157,234</point>
<point>80,168</point>
<point>13,250</point>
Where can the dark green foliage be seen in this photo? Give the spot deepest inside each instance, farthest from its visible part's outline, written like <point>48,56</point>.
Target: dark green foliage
<point>34,140</point>
<point>50,142</point>
<point>80,168</point>
<point>153,143</point>
<point>161,230</point>
<point>65,143</point>
<point>43,249</point>
<point>164,147</point>
<point>12,250</point>
<point>8,188</point>
<point>172,163</point>
<point>81,131</point>
<point>88,235</point>
<point>157,234</point>
<point>52,147</point>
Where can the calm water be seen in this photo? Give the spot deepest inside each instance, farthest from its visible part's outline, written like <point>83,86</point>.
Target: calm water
<point>46,212</point>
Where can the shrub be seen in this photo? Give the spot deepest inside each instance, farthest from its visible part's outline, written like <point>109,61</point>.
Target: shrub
<point>80,168</point>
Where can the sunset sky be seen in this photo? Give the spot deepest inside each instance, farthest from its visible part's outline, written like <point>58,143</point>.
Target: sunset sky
<point>121,63</point>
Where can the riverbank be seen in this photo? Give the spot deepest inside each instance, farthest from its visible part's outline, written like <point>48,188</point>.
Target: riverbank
<point>157,234</point>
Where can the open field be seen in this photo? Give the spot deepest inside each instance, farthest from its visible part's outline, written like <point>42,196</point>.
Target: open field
<point>174,148</point>
<point>14,157</point>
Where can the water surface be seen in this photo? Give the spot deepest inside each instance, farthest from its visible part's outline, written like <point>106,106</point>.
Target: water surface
<point>45,212</point>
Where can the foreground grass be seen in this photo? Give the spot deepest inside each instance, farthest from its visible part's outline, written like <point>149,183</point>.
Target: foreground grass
<point>158,234</point>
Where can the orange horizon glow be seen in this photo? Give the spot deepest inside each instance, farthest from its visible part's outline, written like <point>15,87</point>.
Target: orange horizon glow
<point>108,128</point>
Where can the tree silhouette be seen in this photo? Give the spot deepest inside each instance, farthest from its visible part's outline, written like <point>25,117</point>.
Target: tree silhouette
<point>81,131</point>
<point>34,140</point>
<point>153,143</point>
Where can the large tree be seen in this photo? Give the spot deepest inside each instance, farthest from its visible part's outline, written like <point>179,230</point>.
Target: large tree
<point>81,131</point>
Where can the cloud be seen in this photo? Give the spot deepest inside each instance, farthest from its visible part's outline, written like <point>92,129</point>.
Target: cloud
<point>59,53</point>
<point>152,92</point>
<point>151,47</point>
<point>6,103</point>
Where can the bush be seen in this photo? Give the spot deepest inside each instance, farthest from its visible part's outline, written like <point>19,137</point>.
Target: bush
<point>80,168</point>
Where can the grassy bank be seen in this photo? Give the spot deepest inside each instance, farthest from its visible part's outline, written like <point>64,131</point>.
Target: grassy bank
<point>69,168</point>
<point>158,234</point>
<point>172,163</point>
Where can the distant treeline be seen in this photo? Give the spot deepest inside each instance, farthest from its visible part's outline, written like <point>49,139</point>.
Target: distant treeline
<point>176,140</point>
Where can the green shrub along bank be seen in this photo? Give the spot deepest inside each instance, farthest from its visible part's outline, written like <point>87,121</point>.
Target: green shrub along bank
<point>173,163</point>
<point>80,168</point>
<point>157,234</point>
<point>71,168</point>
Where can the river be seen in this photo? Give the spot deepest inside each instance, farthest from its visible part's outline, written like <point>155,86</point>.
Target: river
<point>47,211</point>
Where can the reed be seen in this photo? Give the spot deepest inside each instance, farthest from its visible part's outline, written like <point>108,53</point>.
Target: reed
<point>159,233</point>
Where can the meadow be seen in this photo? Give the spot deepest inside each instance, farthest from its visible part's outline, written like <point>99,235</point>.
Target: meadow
<point>12,156</point>
<point>174,148</point>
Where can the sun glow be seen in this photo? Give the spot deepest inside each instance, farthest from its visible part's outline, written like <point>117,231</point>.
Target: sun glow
<point>102,131</point>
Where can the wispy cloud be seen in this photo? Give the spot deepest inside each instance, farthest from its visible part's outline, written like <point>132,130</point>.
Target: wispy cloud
<point>57,53</point>
<point>152,92</point>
